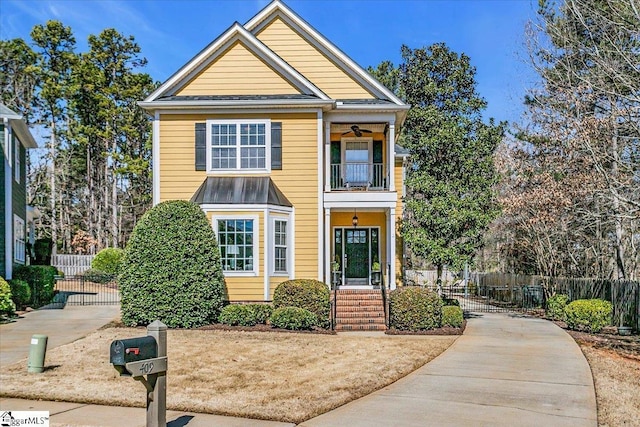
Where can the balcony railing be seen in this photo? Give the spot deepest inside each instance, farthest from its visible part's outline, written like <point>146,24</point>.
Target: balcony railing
<point>359,175</point>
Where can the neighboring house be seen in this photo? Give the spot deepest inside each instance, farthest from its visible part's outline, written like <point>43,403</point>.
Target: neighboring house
<point>15,139</point>
<point>284,141</point>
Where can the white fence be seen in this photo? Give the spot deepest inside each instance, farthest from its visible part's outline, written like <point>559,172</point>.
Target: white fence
<point>71,265</point>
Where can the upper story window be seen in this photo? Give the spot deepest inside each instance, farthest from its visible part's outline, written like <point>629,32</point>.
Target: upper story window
<point>238,145</point>
<point>17,161</point>
<point>18,240</point>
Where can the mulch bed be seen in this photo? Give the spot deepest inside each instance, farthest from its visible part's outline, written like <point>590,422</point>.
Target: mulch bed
<point>261,328</point>
<point>625,346</point>
<point>438,331</point>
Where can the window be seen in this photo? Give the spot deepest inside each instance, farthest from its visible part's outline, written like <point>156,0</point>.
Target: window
<point>238,145</point>
<point>18,240</point>
<point>238,245</point>
<point>17,163</point>
<point>280,246</point>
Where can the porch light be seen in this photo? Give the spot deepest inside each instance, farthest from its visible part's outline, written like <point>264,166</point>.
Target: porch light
<point>354,220</point>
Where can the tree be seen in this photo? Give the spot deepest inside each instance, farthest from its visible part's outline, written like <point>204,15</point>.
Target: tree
<point>18,76</point>
<point>450,182</point>
<point>573,197</point>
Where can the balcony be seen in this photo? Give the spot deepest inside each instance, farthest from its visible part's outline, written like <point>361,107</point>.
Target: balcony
<point>359,176</point>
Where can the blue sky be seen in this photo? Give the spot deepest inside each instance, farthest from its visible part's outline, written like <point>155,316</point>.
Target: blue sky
<point>171,32</point>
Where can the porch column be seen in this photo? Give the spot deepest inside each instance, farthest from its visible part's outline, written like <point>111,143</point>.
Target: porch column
<point>392,249</point>
<point>327,246</point>
<point>392,155</point>
<point>327,156</point>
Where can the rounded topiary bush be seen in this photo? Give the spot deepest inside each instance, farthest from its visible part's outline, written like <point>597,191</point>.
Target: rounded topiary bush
<point>293,318</point>
<point>414,309</point>
<point>588,314</point>
<point>108,260</point>
<point>452,316</point>
<point>238,315</point>
<point>556,305</point>
<point>6,304</point>
<point>309,294</point>
<point>20,292</point>
<point>171,269</point>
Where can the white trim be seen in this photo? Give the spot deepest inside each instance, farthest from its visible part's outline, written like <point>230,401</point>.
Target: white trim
<point>319,41</point>
<point>17,161</point>
<point>256,242</point>
<point>392,255</point>
<point>8,209</point>
<point>235,33</point>
<point>266,269</point>
<point>352,116</point>
<point>292,216</point>
<point>155,158</point>
<point>332,240</point>
<point>372,199</point>
<point>272,248</point>
<point>391,158</point>
<point>247,112</point>
<point>238,123</point>
<point>248,207</point>
<point>327,247</point>
<point>232,106</point>
<point>327,156</point>
<point>320,172</point>
<point>19,225</point>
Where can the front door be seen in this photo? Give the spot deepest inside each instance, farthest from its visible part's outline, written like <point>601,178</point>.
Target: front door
<point>356,256</point>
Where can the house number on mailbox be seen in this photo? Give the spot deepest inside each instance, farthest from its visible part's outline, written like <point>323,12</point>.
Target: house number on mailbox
<point>145,368</point>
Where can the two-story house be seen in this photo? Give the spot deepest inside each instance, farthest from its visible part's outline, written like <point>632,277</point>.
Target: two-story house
<point>15,139</point>
<point>289,147</point>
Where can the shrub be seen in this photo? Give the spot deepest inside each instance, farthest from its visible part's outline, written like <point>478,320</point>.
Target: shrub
<point>6,304</point>
<point>452,316</point>
<point>556,305</point>
<point>588,314</point>
<point>450,301</point>
<point>98,276</point>
<point>108,260</point>
<point>238,315</point>
<point>20,292</point>
<point>414,309</point>
<point>309,294</point>
<point>171,269</point>
<point>42,249</point>
<point>262,312</point>
<point>293,318</point>
<point>41,280</point>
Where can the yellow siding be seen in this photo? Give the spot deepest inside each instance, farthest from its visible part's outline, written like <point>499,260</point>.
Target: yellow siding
<point>399,206</point>
<point>306,59</point>
<point>298,180</point>
<point>238,72</point>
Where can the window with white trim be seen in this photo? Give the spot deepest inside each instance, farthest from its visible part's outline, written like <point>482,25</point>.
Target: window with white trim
<point>238,145</point>
<point>280,239</point>
<point>17,165</point>
<point>238,244</point>
<point>18,240</point>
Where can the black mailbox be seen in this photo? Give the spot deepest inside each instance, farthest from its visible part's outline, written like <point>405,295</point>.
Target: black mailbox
<point>132,350</point>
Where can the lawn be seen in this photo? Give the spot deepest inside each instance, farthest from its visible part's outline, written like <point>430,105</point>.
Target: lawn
<point>264,375</point>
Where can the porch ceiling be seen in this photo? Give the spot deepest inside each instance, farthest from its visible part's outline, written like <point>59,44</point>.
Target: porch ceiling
<point>346,127</point>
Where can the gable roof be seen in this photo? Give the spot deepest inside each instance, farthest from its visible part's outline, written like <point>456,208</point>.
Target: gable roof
<point>277,9</point>
<point>210,53</point>
<point>19,126</point>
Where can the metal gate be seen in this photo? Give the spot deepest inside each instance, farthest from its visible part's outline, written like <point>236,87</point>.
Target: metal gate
<point>478,297</point>
<point>87,290</point>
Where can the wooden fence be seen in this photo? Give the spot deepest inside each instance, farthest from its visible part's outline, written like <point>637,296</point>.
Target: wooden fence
<point>72,265</point>
<point>624,295</point>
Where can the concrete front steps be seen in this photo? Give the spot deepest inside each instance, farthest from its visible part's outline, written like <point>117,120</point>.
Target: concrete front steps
<point>359,310</point>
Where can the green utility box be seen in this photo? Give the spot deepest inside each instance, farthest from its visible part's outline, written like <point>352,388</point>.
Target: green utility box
<point>37,352</point>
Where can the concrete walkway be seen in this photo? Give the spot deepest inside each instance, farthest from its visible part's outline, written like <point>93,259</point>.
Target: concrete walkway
<point>505,370</point>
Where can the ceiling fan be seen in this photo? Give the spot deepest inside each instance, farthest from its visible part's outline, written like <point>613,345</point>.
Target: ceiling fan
<point>357,131</point>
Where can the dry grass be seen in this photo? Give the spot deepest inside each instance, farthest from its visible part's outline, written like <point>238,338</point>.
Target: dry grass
<point>274,376</point>
<point>617,382</point>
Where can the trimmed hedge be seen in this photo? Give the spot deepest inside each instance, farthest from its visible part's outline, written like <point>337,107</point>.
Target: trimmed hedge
<point>171,269</point>
<point>588,314</point>
<point>293,318</point>
<point>6,304</point>
<point>108,260</point>
<point>309,294</point>
<point>262,312</point>
<point>41,280</point>
<point>20,292</point>
<point>556,305</point>
<point>414,309</point>
<point>238,315</point>
<point>98,276</point>
<point>452,315</point>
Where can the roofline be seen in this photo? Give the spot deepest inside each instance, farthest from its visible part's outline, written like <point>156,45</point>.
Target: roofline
<point>236,30</point>
<point>20,128</point>
<point>277,5</point>
<point>240,103</point>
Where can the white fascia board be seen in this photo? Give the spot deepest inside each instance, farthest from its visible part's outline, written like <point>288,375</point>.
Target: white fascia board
<point>277,7</point>
<point>237,33</point>
<point>20,128</point>
<point>336,199</point>
<point>237,104</point>
<point>248,111</point>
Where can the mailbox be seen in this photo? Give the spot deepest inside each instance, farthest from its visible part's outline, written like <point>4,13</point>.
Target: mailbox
<point>132,350</point>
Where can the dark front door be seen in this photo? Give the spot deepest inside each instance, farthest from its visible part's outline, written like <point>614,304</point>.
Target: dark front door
<point>356,253</point>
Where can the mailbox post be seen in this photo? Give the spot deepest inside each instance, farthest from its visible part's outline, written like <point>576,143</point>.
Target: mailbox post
<point>137,357</point>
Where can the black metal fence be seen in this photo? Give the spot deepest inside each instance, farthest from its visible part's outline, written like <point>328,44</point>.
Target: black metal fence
<point>495,292</point>
<point>87,290</point>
